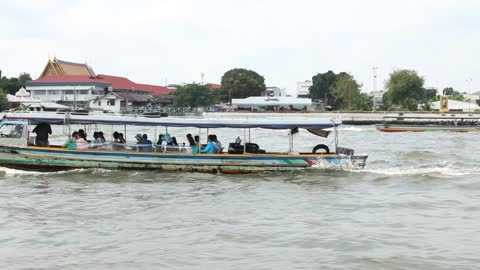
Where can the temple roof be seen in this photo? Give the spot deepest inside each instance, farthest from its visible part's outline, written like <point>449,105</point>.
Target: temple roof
<point>117,83</point>
<point>56,67</point>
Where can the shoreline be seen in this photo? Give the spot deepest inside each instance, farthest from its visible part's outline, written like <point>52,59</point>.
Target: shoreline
<point>348,118</point>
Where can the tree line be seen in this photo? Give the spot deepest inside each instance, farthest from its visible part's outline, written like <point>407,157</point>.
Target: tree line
<point>337,91</point>
<point>11,86</point>
<point>404,90</point>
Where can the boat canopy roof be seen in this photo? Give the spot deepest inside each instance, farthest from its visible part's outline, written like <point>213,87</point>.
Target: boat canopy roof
<point>63,119</point>
<point>448,116</point>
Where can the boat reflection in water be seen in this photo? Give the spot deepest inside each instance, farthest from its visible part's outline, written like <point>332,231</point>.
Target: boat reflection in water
<point>17,151</point>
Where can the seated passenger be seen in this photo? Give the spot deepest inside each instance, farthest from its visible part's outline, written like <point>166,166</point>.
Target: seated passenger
<point>192,144</point>
<point>117,144</point>
<point>144,144</point>
<point>121,139</point>
<point>80,142</point>
<point>82,134</point>
<point>174,141</point>
<point>70,144</point>
<point>218,145</point>
<point>102,138</point>
<point>161,140</point>
<point>210,148</point>
<point>99,140</point>
<point>197,142</point>
<point>168,139</point>
<point>17,132</point>
<point>162,143</point>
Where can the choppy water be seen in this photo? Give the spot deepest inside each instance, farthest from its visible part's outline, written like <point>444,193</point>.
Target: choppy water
<point>415,206</point>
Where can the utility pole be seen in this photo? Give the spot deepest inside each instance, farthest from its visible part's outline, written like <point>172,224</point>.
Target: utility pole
<point>375,78</point>
<point>374,69</point>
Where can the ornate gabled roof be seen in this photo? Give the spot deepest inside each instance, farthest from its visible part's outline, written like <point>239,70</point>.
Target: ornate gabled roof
<point>117,83</point>
<point>57,67</point>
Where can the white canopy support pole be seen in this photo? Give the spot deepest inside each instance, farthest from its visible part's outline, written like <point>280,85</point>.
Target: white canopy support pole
<point>199,144</point>
<point>154,138</point>
<point>249,135</point>
<point>290,142</point>
<point>125,132</point>
<point>244,140</point>
<point>335,128</point>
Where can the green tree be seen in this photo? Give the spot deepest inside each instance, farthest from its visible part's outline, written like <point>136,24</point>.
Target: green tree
<point>345,91</point>
<point>448,91</point>
<point>457,96</point>
<point>4,104</point>
<point>430,94</point>
<point>193,95</point>
<point>12,85</point>
<point>322,85</point>
<point>405,89</point>
<point>363,102</point>
<point>240,83</point>
<point>23,78</point>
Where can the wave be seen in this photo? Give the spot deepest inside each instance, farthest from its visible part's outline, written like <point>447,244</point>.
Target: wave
<point>11,172</point>
<point>411,171</point>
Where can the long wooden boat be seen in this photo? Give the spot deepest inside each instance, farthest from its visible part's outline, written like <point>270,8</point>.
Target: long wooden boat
<point>423,123</point>
<point>17,152</point>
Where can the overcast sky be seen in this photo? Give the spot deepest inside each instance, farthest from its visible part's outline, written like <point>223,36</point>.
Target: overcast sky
<point>285,41</point>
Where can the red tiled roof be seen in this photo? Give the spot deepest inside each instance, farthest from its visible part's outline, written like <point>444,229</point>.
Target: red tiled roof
<point>118,83</point>
<point>213,86</point>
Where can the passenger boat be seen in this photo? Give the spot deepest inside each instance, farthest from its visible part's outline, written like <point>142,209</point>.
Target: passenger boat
<point>422,123</point>
<point>17,151</point>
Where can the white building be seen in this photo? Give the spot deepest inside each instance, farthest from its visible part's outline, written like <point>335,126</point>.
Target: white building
<point>75,91</point>
<point>302,88</point>
<point>122,102</point>
<point>454,105</point>
<point>473,97</point>
<point>273,91</point>
<point>273,104</point>
<point>377,99</point>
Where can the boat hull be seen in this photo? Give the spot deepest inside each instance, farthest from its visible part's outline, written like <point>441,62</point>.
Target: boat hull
<point>55,159</point>
<point>424,128</point>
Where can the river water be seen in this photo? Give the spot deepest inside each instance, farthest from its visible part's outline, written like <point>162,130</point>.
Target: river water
<point>414,206</point>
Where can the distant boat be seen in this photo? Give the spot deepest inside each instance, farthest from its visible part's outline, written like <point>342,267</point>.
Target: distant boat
<point>17,149</point>
<point>423,123</point>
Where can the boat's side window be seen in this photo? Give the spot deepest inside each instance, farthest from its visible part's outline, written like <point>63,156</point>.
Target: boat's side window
<point>11,130</point>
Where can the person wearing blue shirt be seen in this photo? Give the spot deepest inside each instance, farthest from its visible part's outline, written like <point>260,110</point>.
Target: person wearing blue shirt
<point>211,147</point>
<point>144,144</point>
